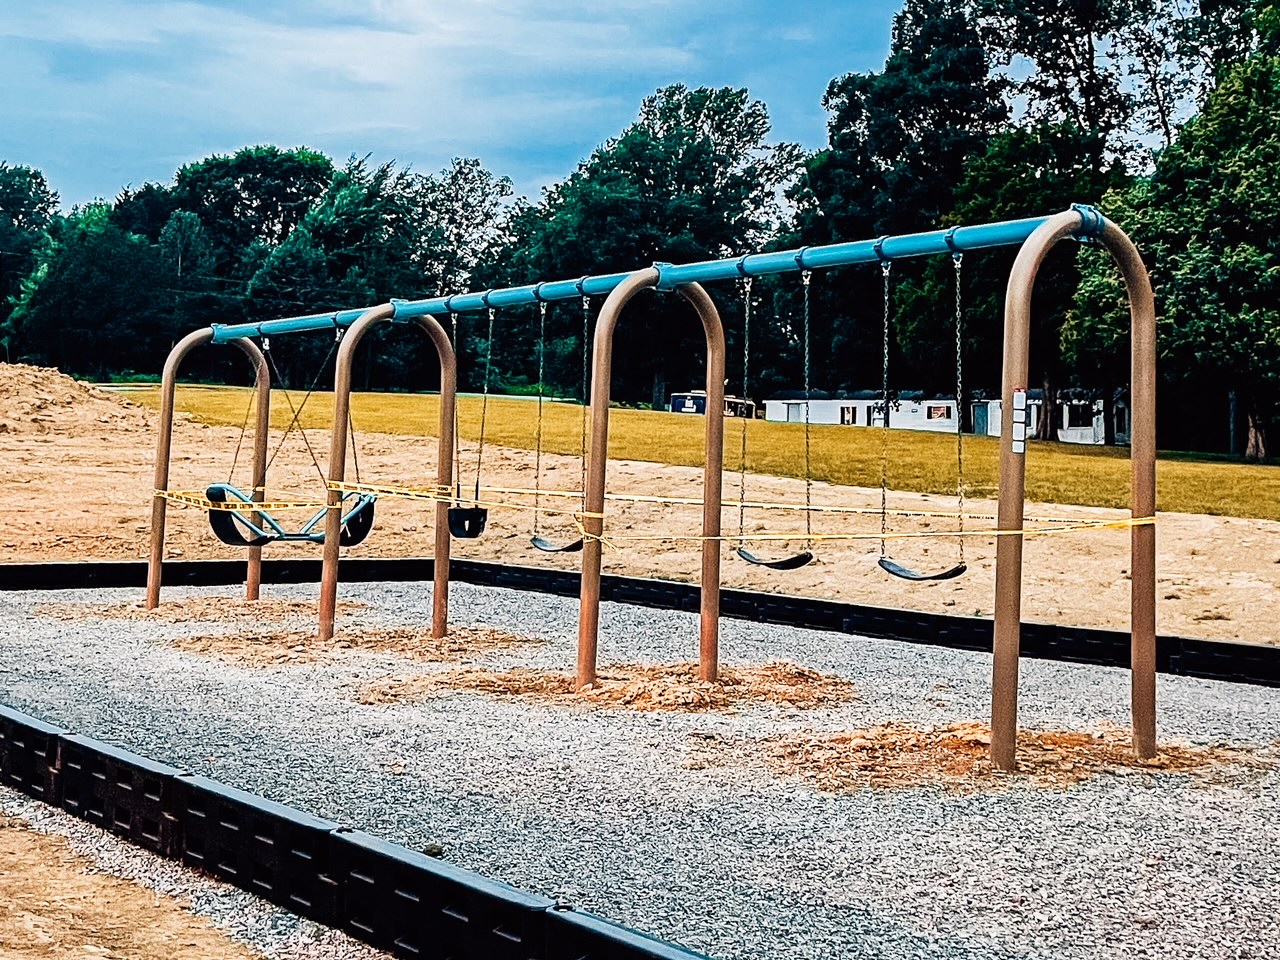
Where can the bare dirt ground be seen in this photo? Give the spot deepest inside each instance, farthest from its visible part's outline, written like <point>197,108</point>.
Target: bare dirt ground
<point>55,907</point>
<point>77,483</point>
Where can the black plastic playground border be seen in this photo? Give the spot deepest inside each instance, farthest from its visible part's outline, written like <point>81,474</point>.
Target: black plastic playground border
<point>1177,656</point>
<point>393,898</point>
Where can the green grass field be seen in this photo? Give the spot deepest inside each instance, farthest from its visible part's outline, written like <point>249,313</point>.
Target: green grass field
<point>922,462</point>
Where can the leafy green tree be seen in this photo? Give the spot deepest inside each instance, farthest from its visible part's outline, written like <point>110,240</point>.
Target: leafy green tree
<point>184,244</point>
<point>1028,171</point>
<point>460,220</point>
<point>26,202</point>
<point>91,306</point>
<point>256,195</point>
<point>1205,221</point>
<point>27,207</point>
<point>692,178</point>
<point>145,211</point>
<point>899,140</point>
<point>1070,64</point>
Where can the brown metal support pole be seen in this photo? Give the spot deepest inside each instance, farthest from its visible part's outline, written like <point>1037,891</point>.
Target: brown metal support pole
<point>1142,503</point>
<point>598,459</point>
<point>444,472</point>
<point>338,464</point>
<point>1015,430</point>
<point>712,482</point>
<point>164,446</point>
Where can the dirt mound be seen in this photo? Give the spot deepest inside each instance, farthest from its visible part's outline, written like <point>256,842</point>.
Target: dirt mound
<point>39,400</point>
<point>666,687</point>
<point>956,758</point>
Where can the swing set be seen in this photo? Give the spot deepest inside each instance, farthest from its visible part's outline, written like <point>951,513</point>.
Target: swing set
<point>467,518</point>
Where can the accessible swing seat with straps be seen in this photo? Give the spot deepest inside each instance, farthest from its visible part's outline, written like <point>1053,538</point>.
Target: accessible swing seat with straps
<point>234,526</point>
<point>231,510</point>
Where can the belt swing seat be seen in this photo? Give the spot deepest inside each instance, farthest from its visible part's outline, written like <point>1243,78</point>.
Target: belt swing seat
<point>885,562</point>
<point>539,541</point>
<point>796,560</point>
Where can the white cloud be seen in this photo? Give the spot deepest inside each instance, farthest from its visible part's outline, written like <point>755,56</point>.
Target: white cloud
<point>419,80</point>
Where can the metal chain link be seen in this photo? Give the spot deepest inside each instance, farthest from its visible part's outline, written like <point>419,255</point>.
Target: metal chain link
<point>296,420</point>
<point>586,383</point>
<point>746,367</point>
<point>537,439</point>
<point>885,267</point>
<point>805,276</point>
<point>244,426</point>
<point>484,403</point>
<point>457,442</point>
<point>959,324</point>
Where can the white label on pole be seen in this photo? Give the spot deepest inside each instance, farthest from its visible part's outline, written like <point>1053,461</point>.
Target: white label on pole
<point>1019,439</point>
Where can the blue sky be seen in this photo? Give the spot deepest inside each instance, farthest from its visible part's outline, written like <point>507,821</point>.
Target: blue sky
<point>103,93</point>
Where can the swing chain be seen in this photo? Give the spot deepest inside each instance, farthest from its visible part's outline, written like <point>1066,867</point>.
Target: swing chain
<point>484,403</point>
<point>457,442</point>
<point>746,366</point>
<point>296,419</point>
<point>805,276</point>
<point>957,259</point>
<point>586,377</point>
<point>885,267</point>
<point>537,443</point>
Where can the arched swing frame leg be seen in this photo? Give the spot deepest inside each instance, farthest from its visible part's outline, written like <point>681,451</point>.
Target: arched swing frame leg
<point>164,455</point>
<point>338,465</point>
<point>597,463</point>
<point>1142,500</point>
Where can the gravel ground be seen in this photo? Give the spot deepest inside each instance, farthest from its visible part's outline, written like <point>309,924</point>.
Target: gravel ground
<point>613,811</point>
<point>275,933</point>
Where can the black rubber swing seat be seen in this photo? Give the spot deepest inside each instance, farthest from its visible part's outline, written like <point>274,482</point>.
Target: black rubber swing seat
<point>237,530</point>
<point>467,523</point>
<point>546,546</point>
<point>783,563</point>
<point>898,570</point>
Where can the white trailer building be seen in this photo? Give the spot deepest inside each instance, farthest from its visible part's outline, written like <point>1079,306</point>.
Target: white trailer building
<point>938,415</point>
<point>1080,421</point>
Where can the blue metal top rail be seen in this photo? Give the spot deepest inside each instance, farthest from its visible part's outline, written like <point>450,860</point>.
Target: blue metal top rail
<point>956,240</point>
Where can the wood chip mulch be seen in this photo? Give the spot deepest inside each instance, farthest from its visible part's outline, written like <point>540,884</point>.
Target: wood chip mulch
<point>255,649</point>
<point>956,758</point>
<point>664,687</point>
<point>193,610</point>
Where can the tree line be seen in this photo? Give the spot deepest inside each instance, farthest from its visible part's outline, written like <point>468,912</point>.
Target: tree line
<point>1162,112</point>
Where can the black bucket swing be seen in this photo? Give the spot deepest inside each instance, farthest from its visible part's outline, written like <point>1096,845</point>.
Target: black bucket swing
<point>804,557</point>
<point>238,527</point>
<point>885,562</point>
<point>538,541</point>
